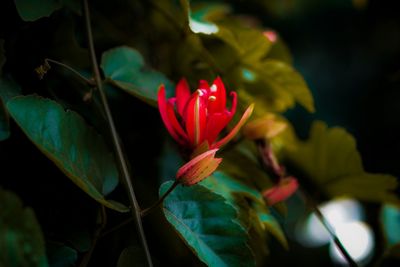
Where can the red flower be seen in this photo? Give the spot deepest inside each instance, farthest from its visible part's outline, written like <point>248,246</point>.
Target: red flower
<point>197,119</point>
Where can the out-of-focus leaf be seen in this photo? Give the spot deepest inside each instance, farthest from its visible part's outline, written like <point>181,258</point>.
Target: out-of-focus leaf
<point>280,51</point>
<point>8,89</point>
<point>250,44</point>
<point>61,256</point>
<point>208,225</point>
<point>132,256</point>
<point>21,239</point>
<point>281,86</point>
<point>331,160</point>
<point>390,218</point>
<point>125,68</point>
<point>74,147</point>
<point>269,223</point>
<point>29,10</point>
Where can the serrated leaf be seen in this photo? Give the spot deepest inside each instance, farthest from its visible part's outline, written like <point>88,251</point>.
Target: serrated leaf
<point>125,68</point>
<point>61,256</point>
<point>331,160</point>
<point>132,256</point>
<point>208,225</point>
<point>280,86</point>
<point>250,44</point>
<point>74,147</point>
<point>21,239</point>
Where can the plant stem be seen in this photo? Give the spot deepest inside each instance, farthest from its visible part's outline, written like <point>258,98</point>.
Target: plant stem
<point>123,164</point>
<point>97,235</point>
<point>329,228</point>
<point>87,81</point>
<point>160,200</point>
<point>270,162</point>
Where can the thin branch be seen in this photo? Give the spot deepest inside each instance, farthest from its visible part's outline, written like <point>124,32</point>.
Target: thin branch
<point>328,227</point>
<point>97,235</point>
<point>160,200</point>
<point>117,145</point>
<point>87,81</point>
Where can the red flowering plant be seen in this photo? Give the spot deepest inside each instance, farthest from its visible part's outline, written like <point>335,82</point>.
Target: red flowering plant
<point>224,205</point>
<point>196,120</point>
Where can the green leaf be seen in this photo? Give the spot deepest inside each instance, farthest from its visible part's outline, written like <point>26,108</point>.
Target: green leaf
<point>61,256</point>
<point>75,148</point>
<point>331,160</point>
<point>233,191</point>
<point>390,218</point>
<point>125,68</point>
<point>21,239</point>
<point>225,185</point>
<point>250,44</point>
<point>30,10</point>
<point>132,256</point>
<point>208,225</point>
<point>280,86</point>
<point>269,223</point>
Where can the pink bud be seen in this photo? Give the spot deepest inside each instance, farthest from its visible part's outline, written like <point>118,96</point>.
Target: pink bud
<point>282,191</point>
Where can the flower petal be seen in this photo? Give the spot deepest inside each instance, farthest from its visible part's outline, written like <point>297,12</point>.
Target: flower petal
<point>217,97</point>
<point>198,168</point>
<point>215,123</point>
<point>182,95</point>
<point>168,116</point>
<point>235,129</point>
<point>195,118</point>
<point>286,187</point>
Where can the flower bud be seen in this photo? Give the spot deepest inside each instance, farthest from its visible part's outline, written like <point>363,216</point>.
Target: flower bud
<point>282,191</point>
<point>199,168</point>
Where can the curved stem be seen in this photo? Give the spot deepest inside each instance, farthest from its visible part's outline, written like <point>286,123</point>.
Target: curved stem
<point>160,200</point>
<point>97,235</point>
<point>72,70</point>
<point>120,156</point>
<point>329,228</point>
